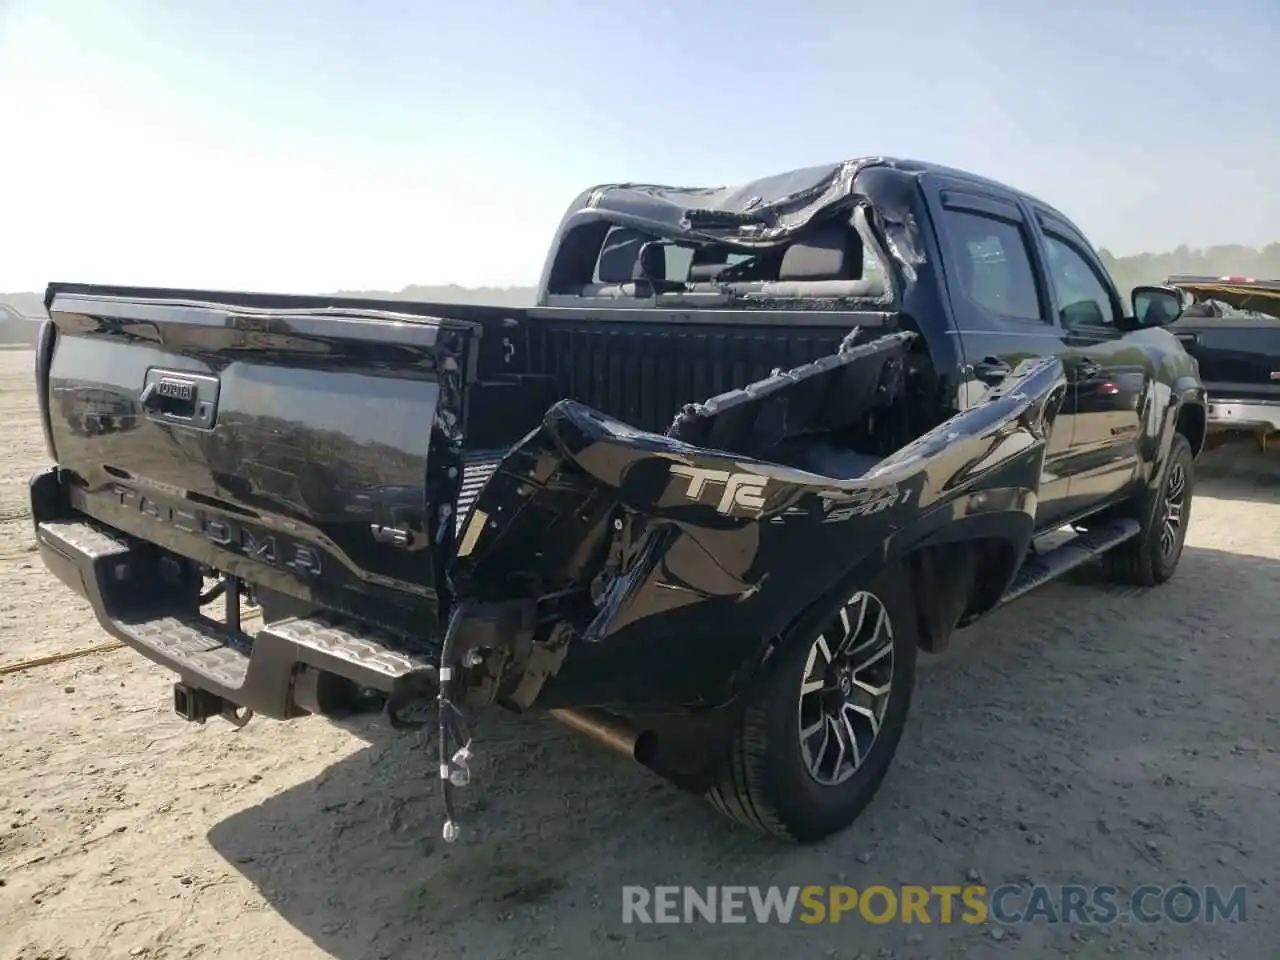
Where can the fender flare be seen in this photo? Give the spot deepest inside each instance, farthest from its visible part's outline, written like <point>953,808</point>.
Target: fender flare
<point>1186,393</point>
<point>1006,516</point>
<point>952,590</point>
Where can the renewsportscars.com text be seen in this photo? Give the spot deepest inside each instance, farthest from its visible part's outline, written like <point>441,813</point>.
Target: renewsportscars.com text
<point>939,904</point>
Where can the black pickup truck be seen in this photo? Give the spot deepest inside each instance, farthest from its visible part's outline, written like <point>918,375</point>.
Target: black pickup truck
<point>753,449</point>
<point>1231,325</point>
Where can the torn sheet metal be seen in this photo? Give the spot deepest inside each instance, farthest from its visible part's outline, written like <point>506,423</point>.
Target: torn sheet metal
<point>761,211</point>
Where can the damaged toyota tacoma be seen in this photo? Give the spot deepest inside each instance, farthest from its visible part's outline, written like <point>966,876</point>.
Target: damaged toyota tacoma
<point>753,449</point>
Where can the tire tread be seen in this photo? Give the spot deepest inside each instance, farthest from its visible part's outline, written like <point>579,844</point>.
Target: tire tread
<point>736,793</point>
<point>1133,561</point>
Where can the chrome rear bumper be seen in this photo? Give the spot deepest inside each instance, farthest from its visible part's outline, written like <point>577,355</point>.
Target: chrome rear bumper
<point>1243,414</point>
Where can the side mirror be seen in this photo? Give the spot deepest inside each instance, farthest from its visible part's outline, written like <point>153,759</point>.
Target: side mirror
<point>1156,306</point>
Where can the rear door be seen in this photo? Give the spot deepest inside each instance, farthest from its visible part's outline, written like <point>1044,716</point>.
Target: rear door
<point>1110,369</point>
<point>1002,310</point>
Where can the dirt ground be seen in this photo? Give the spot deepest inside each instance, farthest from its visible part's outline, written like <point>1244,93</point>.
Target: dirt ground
<point>1083,735</point>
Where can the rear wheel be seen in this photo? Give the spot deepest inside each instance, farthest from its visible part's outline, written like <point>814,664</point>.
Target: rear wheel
<point>1164,510</point>
<point>818,733</point>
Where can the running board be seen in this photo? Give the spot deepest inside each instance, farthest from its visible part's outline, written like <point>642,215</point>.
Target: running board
<point>1080,549</point>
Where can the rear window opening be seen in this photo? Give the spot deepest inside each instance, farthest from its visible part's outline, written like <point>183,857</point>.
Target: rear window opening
<point>830,261</point>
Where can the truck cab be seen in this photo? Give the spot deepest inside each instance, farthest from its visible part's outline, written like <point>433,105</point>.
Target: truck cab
<point>989,276</point>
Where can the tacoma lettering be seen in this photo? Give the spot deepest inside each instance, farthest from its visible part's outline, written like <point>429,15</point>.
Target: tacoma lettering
<point>267,548</point>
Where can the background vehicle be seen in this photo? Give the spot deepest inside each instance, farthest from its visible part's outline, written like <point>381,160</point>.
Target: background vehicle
<point>1232,327</point>
<point>887,379</point>
<point>16,328</point>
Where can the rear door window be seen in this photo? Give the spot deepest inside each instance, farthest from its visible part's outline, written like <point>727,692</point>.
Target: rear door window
<point>992,261</point>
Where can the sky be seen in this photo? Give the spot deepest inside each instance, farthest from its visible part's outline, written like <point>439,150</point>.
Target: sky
<point>318,145</point>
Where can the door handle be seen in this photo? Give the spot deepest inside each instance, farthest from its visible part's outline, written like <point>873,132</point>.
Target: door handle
<point>991,370</point>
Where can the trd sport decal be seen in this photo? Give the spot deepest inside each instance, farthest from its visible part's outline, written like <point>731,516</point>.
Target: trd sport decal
<point>845,504</point>
<point>744,490</point>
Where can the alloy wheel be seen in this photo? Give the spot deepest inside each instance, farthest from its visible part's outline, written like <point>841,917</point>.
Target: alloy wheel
<point>1174,509</point>
<point>845,689</point>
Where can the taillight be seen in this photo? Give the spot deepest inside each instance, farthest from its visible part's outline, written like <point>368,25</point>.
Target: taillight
<point>44,360</point>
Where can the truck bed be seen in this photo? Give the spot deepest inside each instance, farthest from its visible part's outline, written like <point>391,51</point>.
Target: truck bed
<point>314,446</point>
<point>641,365</point>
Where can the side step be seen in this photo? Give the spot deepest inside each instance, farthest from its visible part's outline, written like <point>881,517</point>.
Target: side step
<point>1079,550</point>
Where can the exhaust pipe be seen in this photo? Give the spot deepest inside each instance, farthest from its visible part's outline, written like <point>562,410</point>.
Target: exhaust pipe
<point>610,731</point>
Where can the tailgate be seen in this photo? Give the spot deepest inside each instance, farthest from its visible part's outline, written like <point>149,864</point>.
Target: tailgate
<point>1239,353</point>
<point>306,447</point>
<point>1238,358</point>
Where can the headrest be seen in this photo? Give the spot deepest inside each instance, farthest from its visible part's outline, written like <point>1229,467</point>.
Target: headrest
<point>620,259</point>
<point>653,261</point>
<point>833,252</point>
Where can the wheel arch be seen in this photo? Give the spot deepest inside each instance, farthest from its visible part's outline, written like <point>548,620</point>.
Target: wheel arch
<point>955,569</point>
<point>956,582</point>
<point>1193,423</point>
<point>1185,413</point>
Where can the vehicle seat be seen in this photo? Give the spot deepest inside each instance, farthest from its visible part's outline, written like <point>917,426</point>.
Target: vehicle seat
<point>705,269</point>
<point>706,272</point>
<point>632,264</point>
<point>826,264</point>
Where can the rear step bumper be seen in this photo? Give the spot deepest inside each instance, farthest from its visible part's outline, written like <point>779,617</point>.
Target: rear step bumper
<point>1243,414</point>
<point>220,669</point>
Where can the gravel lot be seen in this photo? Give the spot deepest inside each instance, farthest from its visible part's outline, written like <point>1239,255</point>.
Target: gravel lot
<point>1084,735</point>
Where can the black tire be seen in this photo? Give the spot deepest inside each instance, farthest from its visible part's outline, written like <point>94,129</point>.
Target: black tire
<point>1144,560</point>
<point>764,780</point>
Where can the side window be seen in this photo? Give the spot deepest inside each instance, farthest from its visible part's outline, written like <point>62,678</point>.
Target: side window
<point>1083,297</point>
<point>677,262</point>
<point>992,264</point>
<point>873,269</point>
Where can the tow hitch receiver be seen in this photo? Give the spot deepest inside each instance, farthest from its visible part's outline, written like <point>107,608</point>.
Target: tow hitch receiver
<point>195,705</point>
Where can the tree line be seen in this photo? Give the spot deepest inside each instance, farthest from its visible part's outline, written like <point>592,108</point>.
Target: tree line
<point>1230,260</point>
<point>1127,272</point>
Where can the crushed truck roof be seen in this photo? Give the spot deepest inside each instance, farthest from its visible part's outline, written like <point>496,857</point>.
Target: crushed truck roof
<point>760,211</point>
